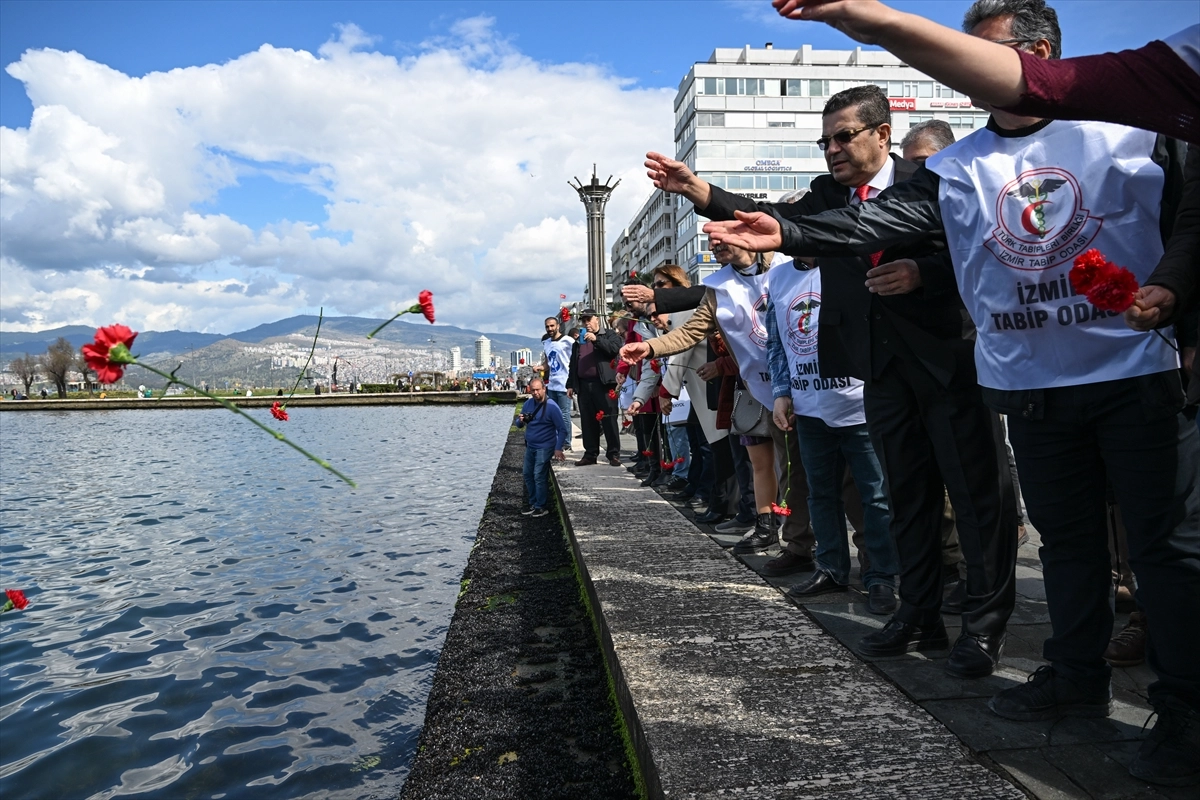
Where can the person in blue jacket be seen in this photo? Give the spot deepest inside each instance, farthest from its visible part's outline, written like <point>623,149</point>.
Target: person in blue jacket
<point>546,434</point>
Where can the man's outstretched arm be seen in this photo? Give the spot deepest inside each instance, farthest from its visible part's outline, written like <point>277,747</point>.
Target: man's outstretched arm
<point>903,213</point>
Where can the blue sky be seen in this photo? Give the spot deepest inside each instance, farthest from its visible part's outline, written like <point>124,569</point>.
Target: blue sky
<point>291,203</point>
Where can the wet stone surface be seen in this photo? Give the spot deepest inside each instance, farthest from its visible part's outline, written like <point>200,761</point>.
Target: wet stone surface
<point>520,702</point>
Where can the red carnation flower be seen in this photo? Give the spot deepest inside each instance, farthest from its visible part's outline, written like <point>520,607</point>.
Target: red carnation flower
<point>612,394</point>
<point>565,314</point>
<point>680,460</point>
<point>654,365</point>
<point>626,423</point>
<point>666,464</point>
<point>109,353</point>
<point>1106,286</point>
<point>599,416</point>
<point>279,412</point>
<point>647,453</point>
<point>1115,291</point>
<point>520,361</point>
<point>425,301</point>
<point>16,599</point>
<point>1088,268</point>
<point>782,510</point>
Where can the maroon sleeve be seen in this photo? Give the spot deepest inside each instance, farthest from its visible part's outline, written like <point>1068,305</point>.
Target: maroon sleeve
<point>1151,88</point>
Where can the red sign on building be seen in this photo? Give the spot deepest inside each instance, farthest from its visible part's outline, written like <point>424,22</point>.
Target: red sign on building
<point>902,103</point>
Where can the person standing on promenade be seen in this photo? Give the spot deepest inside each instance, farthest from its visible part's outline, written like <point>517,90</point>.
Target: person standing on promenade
<point>545,435</point>
<point>924,411</point>
<point>556,350</point>
<point>591,375</point>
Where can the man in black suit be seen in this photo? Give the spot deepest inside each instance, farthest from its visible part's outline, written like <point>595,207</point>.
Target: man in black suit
<point>924,408</point>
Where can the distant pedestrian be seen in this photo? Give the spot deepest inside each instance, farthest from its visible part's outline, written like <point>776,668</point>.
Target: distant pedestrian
<point>556,349</point>
<point>545,434</point>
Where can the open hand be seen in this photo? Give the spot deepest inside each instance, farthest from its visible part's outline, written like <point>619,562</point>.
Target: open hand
<point>756,232</point>
<point>637,293</point>
<point>675,177</point>
<point>861,20</point>
<point>634,352</point>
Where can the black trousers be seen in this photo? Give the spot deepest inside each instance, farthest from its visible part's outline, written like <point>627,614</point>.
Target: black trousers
<point>1130,431</point>
<point>927,437</point>
<point>744,471</point>
<point>724,496</point>
<point>700,473</point>
<point>593,398</point>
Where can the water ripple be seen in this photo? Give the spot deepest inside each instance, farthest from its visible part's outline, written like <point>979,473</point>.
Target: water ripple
<point>211,615</point>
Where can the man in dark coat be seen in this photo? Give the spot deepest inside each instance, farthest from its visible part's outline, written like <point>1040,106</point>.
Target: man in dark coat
<point>591,377</point>
<point>924,409</point>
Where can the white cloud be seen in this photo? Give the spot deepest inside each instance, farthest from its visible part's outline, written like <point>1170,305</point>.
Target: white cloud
<point>446,170</point>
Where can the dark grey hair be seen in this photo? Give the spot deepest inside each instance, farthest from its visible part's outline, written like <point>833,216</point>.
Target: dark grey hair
<point>1031,20</point>
<point>935,131</point>
<point>871,102</point>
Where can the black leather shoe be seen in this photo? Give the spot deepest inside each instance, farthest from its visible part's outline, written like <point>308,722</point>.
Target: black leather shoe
<point>898,638</point>
<point>1048,695</point>
<point>820,582</point>
<point>613,461</point>
<point>586,461</point>
<point>650,479</point>
<point>763,536</point>
<point>975,655</point>
<point>881,599</point>
<point>786,563</point>
<point>710,518</point>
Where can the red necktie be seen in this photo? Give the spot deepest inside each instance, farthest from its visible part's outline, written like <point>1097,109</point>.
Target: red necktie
<point>861,194</point>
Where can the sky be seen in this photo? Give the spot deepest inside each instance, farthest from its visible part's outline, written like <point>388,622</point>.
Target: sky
<point>211,166</point>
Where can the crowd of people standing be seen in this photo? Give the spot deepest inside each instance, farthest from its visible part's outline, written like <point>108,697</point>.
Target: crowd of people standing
<point>905,345</point>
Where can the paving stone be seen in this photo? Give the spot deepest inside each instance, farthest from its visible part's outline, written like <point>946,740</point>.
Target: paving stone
<point>737,691</point>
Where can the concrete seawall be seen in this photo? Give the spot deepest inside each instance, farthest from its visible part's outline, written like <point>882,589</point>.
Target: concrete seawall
<point>265,401</point>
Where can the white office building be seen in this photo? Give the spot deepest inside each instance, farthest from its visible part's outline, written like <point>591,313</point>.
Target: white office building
<point>747,120</point>
<point>520,357</point>
<point>483,353</point>
<point>648,241</point>
<point>455,359</point>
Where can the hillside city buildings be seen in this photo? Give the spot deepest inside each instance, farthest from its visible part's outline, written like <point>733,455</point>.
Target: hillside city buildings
<point>747,120</point>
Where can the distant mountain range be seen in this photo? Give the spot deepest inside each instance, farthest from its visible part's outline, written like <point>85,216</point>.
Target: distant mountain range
<point>164,343</point>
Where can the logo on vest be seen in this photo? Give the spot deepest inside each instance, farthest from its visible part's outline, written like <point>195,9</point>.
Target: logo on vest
<point>802,323</point>
<point>1041,221</point>
<point>758,329</point>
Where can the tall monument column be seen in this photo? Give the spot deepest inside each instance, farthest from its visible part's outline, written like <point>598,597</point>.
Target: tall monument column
<point>594,196</point>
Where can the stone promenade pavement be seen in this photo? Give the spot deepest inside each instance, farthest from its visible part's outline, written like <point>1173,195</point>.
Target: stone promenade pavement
<point>735,690</point>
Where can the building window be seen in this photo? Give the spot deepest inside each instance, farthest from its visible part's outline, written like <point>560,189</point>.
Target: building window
<point>734,86</point>
<point>706,119</point>
<point>761,182</point>
<point>781,124</point>
<point>917,119</point>
<point>749,150</point>
<point>968,120</point>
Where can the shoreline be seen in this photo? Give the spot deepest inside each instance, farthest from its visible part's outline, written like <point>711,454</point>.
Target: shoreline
<point>264,401</point>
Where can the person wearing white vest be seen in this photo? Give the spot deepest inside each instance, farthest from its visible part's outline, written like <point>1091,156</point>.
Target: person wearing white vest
<point>556,349</point>
<point>734,304</point>
<point>829,419</point>
<point>1087,398</point>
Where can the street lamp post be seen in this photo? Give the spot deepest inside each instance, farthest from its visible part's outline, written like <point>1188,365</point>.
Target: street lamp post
<point>594,196</point>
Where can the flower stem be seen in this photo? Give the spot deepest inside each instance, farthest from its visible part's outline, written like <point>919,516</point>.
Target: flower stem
<point>313,349</point>
<point>410,310</point>
<point>222,401</point>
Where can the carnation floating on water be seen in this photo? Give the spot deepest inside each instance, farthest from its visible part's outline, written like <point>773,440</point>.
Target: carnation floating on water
<point>16,599</point>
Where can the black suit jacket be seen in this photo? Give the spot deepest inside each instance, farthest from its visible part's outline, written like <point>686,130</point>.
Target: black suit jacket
<point>859,332</point>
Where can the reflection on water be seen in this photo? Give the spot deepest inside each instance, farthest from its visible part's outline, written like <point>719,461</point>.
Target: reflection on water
<point>214,616</point>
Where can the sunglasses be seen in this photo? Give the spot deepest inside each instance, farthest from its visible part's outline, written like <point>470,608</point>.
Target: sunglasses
<point>844,137</point>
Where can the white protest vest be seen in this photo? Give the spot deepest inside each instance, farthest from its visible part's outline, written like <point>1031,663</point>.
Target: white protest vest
<point>742,316</point>
<point>558,356</point>
<point>680,408</point>
<point>1017,212</point>
<point>838,402</point>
